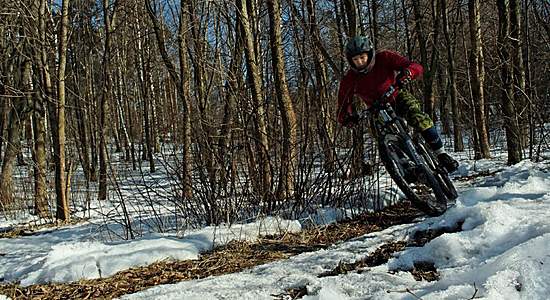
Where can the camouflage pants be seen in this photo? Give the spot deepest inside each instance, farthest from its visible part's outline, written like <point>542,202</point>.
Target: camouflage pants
<point>410,108</point>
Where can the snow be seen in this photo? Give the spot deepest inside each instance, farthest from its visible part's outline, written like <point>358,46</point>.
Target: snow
<point>68,256</point>
<point>502,250</point>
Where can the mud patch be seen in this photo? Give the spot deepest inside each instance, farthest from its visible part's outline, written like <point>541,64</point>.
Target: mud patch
<point>378,257</point>
<point>292,293</point>
<point>425,270</point>
<point>421,271</point>
<point>422,237</point>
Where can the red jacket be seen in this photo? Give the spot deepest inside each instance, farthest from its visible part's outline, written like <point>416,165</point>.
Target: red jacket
<point>372,85</point>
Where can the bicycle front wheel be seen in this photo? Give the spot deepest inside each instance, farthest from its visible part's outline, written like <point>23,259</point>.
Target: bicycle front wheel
<point>415,180</point>
<point>438,171</point>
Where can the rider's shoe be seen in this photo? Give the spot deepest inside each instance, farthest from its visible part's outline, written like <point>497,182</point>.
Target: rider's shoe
<point>449,163</point>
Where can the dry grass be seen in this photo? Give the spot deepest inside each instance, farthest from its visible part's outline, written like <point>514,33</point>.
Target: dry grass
<point>478,175</point>
<point>425,270</point>
<point>233,257</point>
<point>34,229</point>
<point>422,270</point>
<point>378,257</point>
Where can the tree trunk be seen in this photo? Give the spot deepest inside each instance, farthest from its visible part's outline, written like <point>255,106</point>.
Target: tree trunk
<point>407,30</point>
<point>264,171</point>
<point>324,113</point>
<point>93,133</point>
<point>122,119</point>
<point>528,82</point>
<point>39,158</point>
<point>144,78</point>
<point>455,106</point>
<point>154,119</point>
<point>340,25</point>
<point>511,124</point>
<point>105,99</point>
<point>443,93</point>
<point>477,70</point>
<point>4,112</point>
<point>182,89</point>
<point>374,23</point>
<point>205,128</point>
<point>429,66</point>
<point>289,157</point>
<point>350,7</point>
<point>357,163</point>
<point>520,99</point>
<point>40,113</point>
<point>232,86</point>
<point>36,99</point>
<point>62,202</point>
<point>186,100</point>
<point>82,120</point>
<point>19,113</point>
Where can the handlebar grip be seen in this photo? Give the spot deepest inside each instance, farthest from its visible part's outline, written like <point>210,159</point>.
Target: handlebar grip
<point>388,93</point>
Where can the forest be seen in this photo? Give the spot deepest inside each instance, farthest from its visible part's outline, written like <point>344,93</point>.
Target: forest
<point>217,111</point>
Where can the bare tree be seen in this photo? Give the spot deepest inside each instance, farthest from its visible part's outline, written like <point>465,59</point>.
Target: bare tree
<point>522,103</point>
<point>62,203</point>
<point>252,84</point>
<point>286,108</point>
<point>373,5</point>
<point>477,69</point>
<point>144,77</point>
<point>109,15</point>
<point>456,111</point>
<point>19,90</point>
<point>324,114</point>
<point>43,95</point>
<point>351,17</point>
<point>20,112</point>
<point>430,64</point>
<point>264,178</point>
<point>232,87</point>
<point>182,89</point>
<point>508,106</point>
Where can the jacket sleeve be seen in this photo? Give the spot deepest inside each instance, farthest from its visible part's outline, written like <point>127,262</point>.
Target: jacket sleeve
<point>399,62</point>
<point>345,95</point>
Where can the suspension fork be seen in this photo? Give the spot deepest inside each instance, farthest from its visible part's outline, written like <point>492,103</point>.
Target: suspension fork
<point>393,123</point>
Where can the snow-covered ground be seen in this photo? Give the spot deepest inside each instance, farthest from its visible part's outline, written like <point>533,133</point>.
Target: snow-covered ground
<point>503,251</point>
<point>69,254</point>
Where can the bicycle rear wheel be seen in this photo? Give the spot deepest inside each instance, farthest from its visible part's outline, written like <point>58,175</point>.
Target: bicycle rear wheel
<point>416,181</point>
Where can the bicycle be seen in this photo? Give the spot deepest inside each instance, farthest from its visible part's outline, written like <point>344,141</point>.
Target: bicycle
<point>408,158</point>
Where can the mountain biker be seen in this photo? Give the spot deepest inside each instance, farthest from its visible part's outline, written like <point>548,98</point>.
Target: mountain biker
<point>370,76</point>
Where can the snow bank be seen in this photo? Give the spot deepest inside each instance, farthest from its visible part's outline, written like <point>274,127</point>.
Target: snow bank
<point>74,260</point>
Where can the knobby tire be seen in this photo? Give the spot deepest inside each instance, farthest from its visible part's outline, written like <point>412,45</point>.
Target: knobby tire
<point>429,204</point>
<point>440,174</point>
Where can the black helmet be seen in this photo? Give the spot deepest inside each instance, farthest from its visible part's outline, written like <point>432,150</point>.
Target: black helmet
<point>357,45</point>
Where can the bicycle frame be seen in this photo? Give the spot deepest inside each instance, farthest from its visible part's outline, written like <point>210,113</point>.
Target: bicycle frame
<point>383,120</point>
<point>407,159</point>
